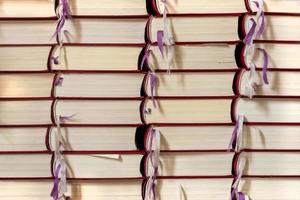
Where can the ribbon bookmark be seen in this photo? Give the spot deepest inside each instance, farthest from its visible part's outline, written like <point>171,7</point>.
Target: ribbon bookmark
<point>153,146</point>
<point>151,74</point>
<point>236,139</point>
<point>153,83</point>
<point>153,150</point>
<point>60,177</point>
<point>251,84</point>
<point>248,40</point>
<point>260,17</point>
<point>151,189</point>
<point>235,195</point>
<point>265,65</point>
<point>62,13</point>
<point>160,42</point>
<point>166,38</point>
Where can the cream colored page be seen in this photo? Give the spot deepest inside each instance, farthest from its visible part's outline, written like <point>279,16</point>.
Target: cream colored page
<point>128,85</point>
<point>198,29</point>
<point>194,189</point>
<point>268,110</point>
<point>28,165</point>
<point>195,137</point>
<point>97,58</point>
<point>79,31</point>
<point>27,32</point>
<point>22,139</point>
<point>189,111</point>
<point>203,6</point>
<point>26,85</point>
<point>281,6</point>
<point>23,59</point>
<point>113,166</point>
<point>105,30</point>
<point>196,57</point>
<point>95,139</point>
<point>100,111</point>
<point>272,163</point>
<point>281,83</point>
<point>78,190</point>
<point>271,137</point>
<point>27,8</point>
<point>271,188</point>
<point>195,164</point>
<point>281,56</point>
<point>193,84</point>
<point>108,7</point>
<point>25,112</point>
<point>279,27</point>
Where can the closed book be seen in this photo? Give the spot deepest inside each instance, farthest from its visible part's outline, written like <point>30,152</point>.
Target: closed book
<point>85,166</point>
<point>76,138</point>
<point>45,8</point>
<point>92,58</point>
<point>32,189</point>
<point>197,29</point>
<point>83,30</point>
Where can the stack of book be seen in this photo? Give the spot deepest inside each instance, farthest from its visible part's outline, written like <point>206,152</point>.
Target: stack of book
<point>149,99</point>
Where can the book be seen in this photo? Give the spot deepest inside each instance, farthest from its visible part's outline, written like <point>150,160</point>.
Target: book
<point>188,84</point>
<point>85,30</point>
<point>128,85</point>
<point>110,138</point>
<point>136,111</point>
<point>100,112</point>
<point>97,58</point>
<point>197,29</point>
<point>32,189</point>
<point>281,83</point>
<point>26,85</point>
<point>217,137</point>
<point>192,164</point>
<point>276,163</point>
<point>76,138</point>
<point>135,84</point>
<point>199,7</point>
<point>46,8</point>
<point>221,7</point>
<point>188,111</point>
<point>108,8</point>
<point>278,27</point>
<point>280,6</point>
<point>132,138</point>
<point>27,8</point>
<point>195,57</point>
<point>25,112</point>
<point>85,166</point>
<point>281,56</point>
<point>272,110</point>
<point>100,58</point>
<point>196,188</point>
<point>38,112</point>
<point>266,188</point>
<point>270,188</point>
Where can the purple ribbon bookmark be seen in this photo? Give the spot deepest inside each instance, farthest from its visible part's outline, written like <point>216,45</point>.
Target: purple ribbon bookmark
<point>250,35</point>
<point>160,42</point>
<point>55,191</point>
<point>265,65</point>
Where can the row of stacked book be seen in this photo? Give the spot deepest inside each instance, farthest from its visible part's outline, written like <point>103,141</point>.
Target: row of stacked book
<point>149,99</point>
